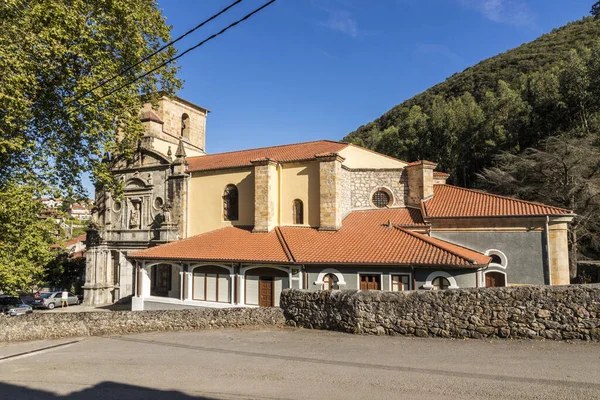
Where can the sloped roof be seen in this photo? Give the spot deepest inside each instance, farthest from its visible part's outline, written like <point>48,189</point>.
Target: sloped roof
<point>71,242</point>
<point>453,201</point>
<point>233,244</point>
<point>365,238</point>
<point>284,153</point>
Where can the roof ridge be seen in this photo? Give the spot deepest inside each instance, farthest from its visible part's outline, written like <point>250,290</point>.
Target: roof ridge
<point>432,241</point>
<point>500,197</point>
<point>284,245</point>
<point>268,147</point>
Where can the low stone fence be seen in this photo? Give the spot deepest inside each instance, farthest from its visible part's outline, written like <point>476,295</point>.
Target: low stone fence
<point>38,326</point>
<point>559,312</point>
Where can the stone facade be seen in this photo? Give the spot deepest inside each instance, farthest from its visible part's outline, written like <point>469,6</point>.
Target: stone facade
<point>266,191</point>
<point>536,312</point>
<point>420,182</point>
<point>364,182</point>
<point>44,326</point>
<point>330,182</point>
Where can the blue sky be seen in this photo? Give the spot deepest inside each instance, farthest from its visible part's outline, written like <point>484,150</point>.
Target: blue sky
<point>304,70</point>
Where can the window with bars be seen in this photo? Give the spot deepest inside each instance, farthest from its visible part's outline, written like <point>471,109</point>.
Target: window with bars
<point>298,211</point>
<point>230,203</point>
<point>381,199</point>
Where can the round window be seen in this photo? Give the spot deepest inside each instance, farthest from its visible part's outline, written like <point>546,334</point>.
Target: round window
<point>158,203</point>
<point>381,199</point>
<point>117,206</point>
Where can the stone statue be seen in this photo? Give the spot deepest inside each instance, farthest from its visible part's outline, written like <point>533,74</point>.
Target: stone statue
<point>94,218</point>
<point>134,216</point>
<point>166,213</point>
<point>149,179</point>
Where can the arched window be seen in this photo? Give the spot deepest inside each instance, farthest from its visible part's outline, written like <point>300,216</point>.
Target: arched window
<point>440,283</point>
<point>298,211</point>
<point>330,282</point>
<point>496,259</point>
<point>185,126</point>
<point>230,203</point>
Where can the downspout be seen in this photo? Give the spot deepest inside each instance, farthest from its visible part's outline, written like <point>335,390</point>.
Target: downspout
<point>547,233</point>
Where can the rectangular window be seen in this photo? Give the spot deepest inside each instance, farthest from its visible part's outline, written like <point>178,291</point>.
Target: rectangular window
<point>223,295</point>
<point>251,289</point>
<point>400,283</point>
<point>211,287</point>
<point>370,282</point>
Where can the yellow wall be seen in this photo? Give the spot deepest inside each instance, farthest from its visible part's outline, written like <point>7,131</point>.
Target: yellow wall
<point>357,157</point>
<point>206,199</point>
<point>559,254</point>
<point>300,181</point>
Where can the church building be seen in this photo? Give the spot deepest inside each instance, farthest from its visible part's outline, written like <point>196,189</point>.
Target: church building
<point>235,229</point>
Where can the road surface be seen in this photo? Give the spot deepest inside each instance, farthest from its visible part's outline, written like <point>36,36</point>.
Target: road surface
<point>297,364</point>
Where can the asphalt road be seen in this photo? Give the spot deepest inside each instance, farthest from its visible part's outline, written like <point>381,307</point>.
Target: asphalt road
<point>297,364</point>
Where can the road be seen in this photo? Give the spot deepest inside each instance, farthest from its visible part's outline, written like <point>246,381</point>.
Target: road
<point>297,364</point>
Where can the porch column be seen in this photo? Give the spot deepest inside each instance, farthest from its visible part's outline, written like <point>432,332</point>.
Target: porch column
<point>181,282</point>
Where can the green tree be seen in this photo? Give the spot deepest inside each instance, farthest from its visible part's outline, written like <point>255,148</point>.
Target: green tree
<point>596,10</point>
<point>565,172</point>
<point>25,239</point>
<point>52,52</point>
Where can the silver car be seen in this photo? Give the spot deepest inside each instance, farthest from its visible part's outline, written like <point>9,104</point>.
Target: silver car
<point>14,306</point>
<point>50,300</point>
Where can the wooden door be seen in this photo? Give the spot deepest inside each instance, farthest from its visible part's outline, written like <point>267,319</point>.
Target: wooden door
<point>495,279</point>
<point>265,292</point>
<point>370,282</point>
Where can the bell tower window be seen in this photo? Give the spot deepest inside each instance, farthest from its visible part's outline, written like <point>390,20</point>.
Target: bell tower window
<point>185,126</point>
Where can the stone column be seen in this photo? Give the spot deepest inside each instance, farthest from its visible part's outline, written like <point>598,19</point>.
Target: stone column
<point>559,253</point>
<point>330,201</point>
<point>420,181</point>
<point>266,195</point>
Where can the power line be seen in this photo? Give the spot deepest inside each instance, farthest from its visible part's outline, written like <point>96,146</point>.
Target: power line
<point>146,58</point>
<point>184,53</point>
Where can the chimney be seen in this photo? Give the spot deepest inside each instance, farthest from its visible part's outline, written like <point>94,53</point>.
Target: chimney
<point>330,183</point>
<point>420,181</point>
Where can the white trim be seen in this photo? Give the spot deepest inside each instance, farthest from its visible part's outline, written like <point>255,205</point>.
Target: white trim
<point>332,271</point>
<point>359,273</point>
<point>503,258</point>
<point>410,279</point>
<point>443,274</point>
<point>495,270</point>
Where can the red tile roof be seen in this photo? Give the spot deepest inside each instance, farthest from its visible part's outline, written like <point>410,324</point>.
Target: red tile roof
<point>419,162</point>
<point>453,201</point>
<point>440,174</point>
<point>235,244</point>
<point>71,242</point>
<point>284,153</point>
<point>365,238</point>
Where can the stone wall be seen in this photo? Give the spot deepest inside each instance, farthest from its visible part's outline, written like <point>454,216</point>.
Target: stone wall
<point>40,326</point>
<point>363,182</point>
<point>561,312</point>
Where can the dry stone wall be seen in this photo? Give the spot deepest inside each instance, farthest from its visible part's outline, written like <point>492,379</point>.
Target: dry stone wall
<point>39,326</point>
<point>558,313</point>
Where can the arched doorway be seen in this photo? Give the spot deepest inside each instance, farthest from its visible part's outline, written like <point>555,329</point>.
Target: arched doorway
<point>263,286</point>
<point>165,280</point>
<point>495,279</point>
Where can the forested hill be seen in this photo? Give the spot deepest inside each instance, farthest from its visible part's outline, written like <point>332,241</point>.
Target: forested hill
<point>506,103</point>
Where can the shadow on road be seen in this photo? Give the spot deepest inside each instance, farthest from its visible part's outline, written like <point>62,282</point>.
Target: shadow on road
<point>104,390</point>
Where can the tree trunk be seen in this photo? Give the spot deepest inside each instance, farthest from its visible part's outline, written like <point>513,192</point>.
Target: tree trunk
<point>573,253</point>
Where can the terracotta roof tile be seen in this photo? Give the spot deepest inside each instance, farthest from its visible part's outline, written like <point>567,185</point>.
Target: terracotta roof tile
<point>419,162</point>
<point>364,239</point>
<point>227,244</point>
<point>453,201</point>
<point>440,174</point>
<point>243,158</point>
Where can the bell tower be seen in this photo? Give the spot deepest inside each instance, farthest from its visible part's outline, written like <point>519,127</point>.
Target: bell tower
<point>174,120</point>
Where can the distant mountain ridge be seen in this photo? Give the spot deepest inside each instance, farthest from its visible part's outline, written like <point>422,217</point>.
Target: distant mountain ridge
<point>405,131</point>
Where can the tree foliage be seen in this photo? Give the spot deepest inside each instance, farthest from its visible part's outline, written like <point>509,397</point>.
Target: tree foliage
<point>25,239</point>
<point>596,10</point>
<point>51,53</point>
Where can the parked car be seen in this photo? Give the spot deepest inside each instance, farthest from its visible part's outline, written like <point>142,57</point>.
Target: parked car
<point>50,300</point>
<point>10,305</point>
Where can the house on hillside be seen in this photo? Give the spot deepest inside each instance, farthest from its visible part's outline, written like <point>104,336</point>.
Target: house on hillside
<point>235,229</point>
